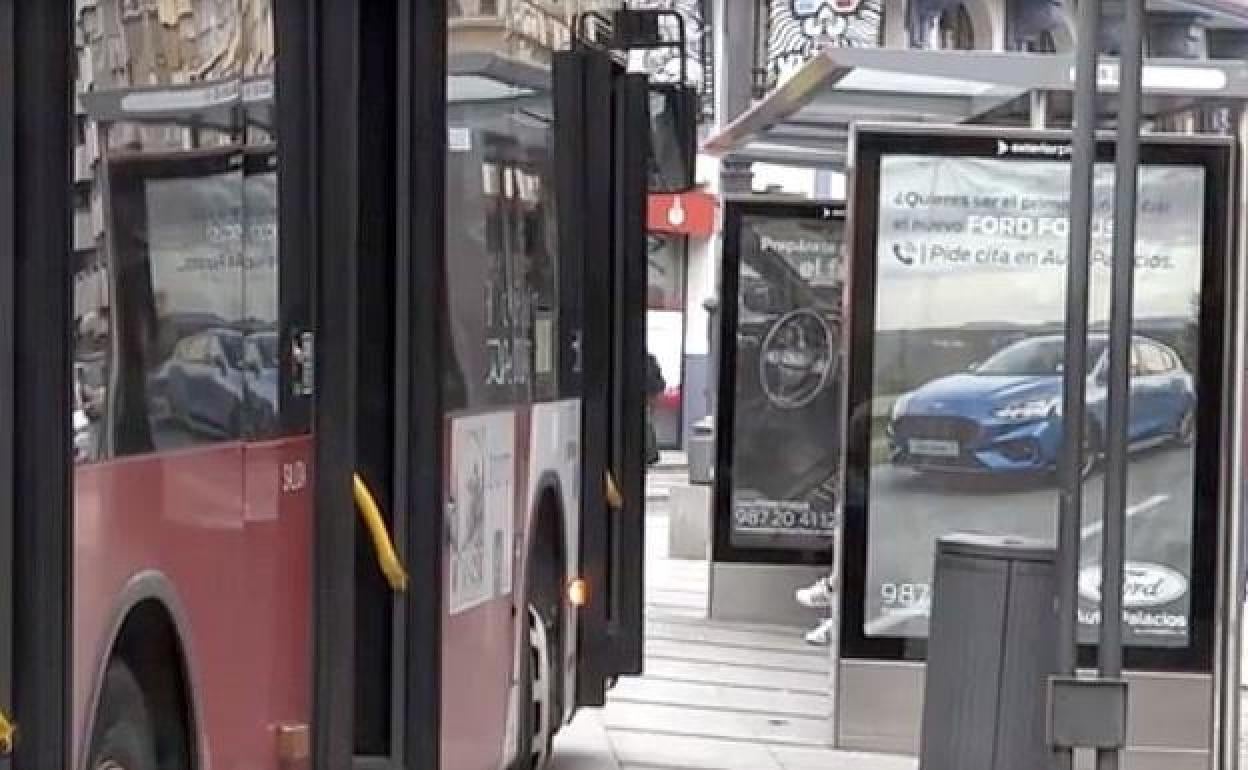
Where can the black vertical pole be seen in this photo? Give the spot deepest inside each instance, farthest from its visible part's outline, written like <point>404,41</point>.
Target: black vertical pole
<point>1075,371</point>
<point>421,310</point>
<point>8,268</point>
<point>40,51</point>
<point>1126,170</point>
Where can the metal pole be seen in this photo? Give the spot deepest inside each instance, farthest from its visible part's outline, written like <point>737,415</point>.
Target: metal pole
<point>1126,172</point>
<point>1227,673</point>
<point>1070,510</point>
<point>1039,112</point>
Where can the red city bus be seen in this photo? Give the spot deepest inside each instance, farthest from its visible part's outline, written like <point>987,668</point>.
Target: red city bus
<point>282,279</point>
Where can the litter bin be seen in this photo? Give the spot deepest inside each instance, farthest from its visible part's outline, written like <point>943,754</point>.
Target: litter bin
<point>701,451</point>
<point>991,649</point>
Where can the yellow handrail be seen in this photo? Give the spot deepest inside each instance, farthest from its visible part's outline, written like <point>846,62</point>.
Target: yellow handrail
<point>8,733</point>
<point>614,498</point>
<point>387,559</point>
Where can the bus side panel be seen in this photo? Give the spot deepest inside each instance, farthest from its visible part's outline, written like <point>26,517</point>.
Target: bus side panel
<point>226,563</point>
<point>278,520</point>
<point>173,519</point>
<point>478,620</point>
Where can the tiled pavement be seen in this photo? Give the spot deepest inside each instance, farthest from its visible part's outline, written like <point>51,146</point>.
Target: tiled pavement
<point>715,696</point>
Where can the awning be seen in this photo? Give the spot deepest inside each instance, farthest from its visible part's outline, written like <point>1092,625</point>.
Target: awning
<point>806,120</point>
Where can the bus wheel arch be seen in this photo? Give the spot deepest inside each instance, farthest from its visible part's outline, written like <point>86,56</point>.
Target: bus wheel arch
<point>545,612</point>
<point>147,652</point>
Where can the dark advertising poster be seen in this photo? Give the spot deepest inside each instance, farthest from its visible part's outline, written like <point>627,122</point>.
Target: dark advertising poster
<point>965,429</point>
<point>786,436</point>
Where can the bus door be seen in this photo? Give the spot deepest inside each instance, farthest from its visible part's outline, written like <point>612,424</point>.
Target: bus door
<point>600,129</point>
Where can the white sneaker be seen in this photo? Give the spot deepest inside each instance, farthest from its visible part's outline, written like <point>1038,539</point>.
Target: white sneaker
<point>818,595</point>
<point>822,635</point>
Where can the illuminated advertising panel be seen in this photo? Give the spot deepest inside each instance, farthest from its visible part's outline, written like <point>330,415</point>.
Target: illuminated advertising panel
<point>781,386</point>
<point>957,368</point>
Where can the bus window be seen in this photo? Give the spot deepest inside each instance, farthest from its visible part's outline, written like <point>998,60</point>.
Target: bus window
<point>176,353</point>
<point>261,333</point>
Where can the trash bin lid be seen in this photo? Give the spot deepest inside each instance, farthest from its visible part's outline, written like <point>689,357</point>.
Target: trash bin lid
<point>985,546</point>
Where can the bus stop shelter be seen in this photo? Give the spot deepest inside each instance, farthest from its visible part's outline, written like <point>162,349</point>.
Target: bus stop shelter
<point>807,121</point>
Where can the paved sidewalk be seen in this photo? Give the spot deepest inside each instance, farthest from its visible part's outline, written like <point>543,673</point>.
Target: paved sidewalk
<point>718,696</point>
<point>715,696</point>
<point>721,696</point>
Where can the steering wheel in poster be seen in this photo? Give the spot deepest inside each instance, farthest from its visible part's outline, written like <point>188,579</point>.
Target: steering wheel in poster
<point>796,359</point>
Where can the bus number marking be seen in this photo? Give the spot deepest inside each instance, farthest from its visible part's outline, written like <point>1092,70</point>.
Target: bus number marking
<point>294,476</point>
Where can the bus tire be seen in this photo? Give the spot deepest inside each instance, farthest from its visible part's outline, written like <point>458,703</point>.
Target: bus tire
<point>123,737</point>
<point>537,695</point>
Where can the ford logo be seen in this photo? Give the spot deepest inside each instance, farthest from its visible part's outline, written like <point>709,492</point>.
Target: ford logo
<point>1144,584</point>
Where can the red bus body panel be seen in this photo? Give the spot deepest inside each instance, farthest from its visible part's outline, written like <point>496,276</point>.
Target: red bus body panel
<point>479,648</point>
<point>211,535</point>
<point>482,646</point>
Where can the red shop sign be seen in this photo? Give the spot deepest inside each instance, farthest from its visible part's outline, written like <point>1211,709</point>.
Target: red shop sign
<point>691,213</point>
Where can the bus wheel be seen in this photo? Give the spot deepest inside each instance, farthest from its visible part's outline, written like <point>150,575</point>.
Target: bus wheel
<point>537,696</point>
<point>122,739</point>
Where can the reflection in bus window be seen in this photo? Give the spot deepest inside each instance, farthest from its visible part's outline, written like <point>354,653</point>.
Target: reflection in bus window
<point>261,405</point>
<point>175,225</point>
<point>502,268</point>
<point>178,286</point>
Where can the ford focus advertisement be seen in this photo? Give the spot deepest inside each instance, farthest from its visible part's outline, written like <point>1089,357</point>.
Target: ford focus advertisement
<point>956,375</point>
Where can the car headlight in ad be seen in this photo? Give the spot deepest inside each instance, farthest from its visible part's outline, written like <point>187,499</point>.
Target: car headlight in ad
<point>1034,409</point>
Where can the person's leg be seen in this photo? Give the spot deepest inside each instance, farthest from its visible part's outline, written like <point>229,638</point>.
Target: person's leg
<point>652,438</point>
<point>820,595</point>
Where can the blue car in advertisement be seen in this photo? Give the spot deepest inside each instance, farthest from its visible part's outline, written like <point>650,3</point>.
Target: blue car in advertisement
<point>1004,415</point>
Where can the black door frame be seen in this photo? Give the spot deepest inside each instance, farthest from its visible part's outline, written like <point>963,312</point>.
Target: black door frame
<point>401,189</point>
<point>582,81</point>
<point>322,109</point>
<point>420,317</point>
<point>601,177</point>
<point>628,376</point>
<point>7,252</point>
<point>35,223</point>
